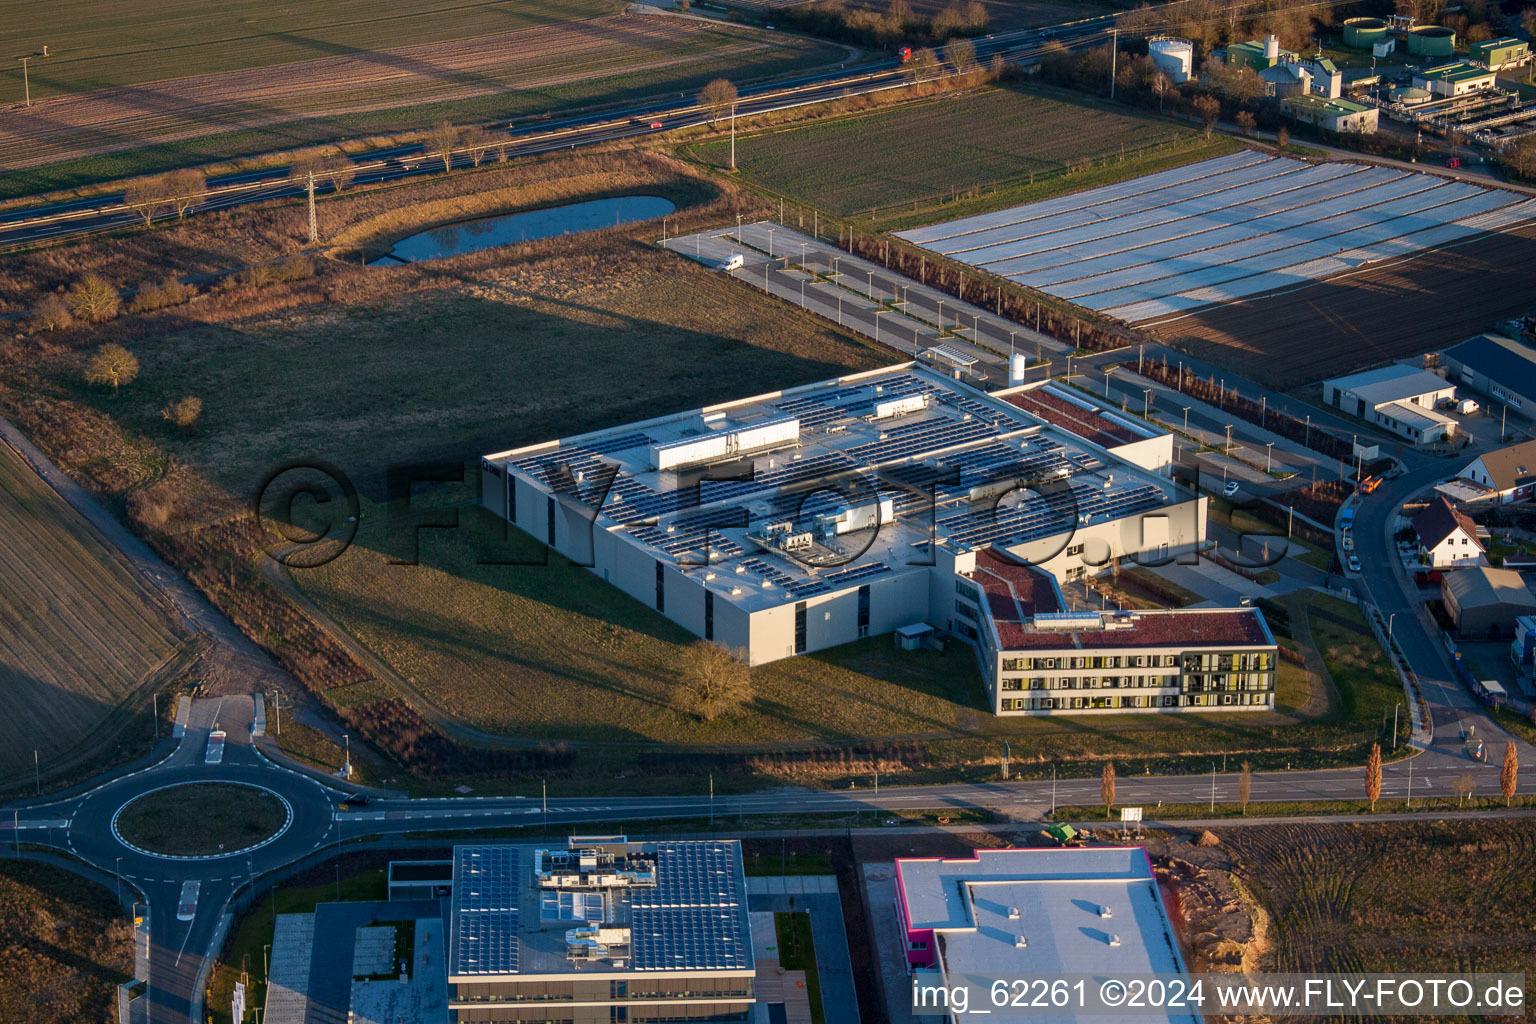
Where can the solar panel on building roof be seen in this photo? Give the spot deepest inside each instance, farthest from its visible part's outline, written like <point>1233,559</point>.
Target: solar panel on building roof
<point>485,894</point>
<point>695,916</point>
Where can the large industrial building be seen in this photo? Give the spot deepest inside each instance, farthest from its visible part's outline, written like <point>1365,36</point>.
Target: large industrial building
<point>1499,367</point>
<point>802,519</point>
<point>1398,398</point>
<point>1334,115</point>
<point>604,930</point>
<point>1035,914</point>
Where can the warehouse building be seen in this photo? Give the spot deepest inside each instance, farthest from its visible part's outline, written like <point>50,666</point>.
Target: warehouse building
<point>1499,367</point>
<point>1334,115</point>
<point>1498,54</point>
<point>1505,475</point>
<point>1398,398</point>
<point>798,520</point>
<point>1455,79</point>
<point>604,930</point>
<point>1484,603</point>
<point>1035,914</point>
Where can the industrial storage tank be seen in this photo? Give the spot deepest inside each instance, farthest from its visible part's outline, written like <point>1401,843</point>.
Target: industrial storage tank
<point>1363,33</point>
<point>1411,95</point>
<point>1432,41</point>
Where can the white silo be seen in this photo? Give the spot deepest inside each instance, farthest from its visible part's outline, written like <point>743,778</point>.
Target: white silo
<point>1173,57</point>
<point>1272,47</point>
<point>1017,367</point>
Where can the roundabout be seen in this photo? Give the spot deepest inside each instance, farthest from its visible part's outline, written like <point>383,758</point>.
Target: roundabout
<point>202,820</point>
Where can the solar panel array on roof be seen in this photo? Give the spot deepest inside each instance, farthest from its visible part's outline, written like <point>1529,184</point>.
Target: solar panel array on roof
<point>485,895</point>
<point>1044,514</point>
<point>695,916</point>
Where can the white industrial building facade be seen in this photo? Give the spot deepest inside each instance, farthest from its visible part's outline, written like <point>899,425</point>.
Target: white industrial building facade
<point>799,520</point>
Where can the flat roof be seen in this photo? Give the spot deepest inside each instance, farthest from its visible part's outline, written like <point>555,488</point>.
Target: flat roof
<point>692,918</point>
<point>1067,904</point>
<point>1416,415</point>
<point>1393,383</point>
<point>905,435</point>
<point>1027,613</point>
<point>1076,413</point>
<point>1460,71</point>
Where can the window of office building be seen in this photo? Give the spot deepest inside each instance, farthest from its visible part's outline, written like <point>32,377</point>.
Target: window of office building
<point>661,588</point>
<point>800,628</point>
<point>709,615</point>
<point>864,610</point>
<point>551,522</point>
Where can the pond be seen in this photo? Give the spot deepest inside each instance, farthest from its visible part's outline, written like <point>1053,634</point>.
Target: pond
<point>474,235</point>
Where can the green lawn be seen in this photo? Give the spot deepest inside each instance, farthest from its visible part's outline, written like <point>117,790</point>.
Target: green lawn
<point>797,952</point>
<point>1366,683</point>
<point>936,150</point>
<point>201,819</point>
<point>97,44</point>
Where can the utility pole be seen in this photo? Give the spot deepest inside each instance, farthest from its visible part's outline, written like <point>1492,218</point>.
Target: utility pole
<point>277,706</point>
<point>733,146</point>
<point>154,700</point>
<point>1053,789</point>
<point>1410,782</point>
<point>1114,47</point>
<point>711,799</point>
<point>26,82</point>
<point>1213,787</point>
<point>37,772</point>
<point>544,785</point>
<point>314,228</point>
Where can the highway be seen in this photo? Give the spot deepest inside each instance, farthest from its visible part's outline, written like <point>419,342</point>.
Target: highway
<point>531,136</point>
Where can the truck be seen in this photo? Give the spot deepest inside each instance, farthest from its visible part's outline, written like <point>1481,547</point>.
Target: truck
<point>215,752</point>
<point>1347,519</point>
<point>904,54</point>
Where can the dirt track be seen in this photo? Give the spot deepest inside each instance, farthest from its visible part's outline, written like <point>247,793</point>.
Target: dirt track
<point>1435,299</point>
<point>542,58</point>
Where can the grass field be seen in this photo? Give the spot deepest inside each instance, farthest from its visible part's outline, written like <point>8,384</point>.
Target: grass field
<point>200,819</point>
<point>1420,896</point>
<point>83,636</point>
<point>98,44</point>
<point>114,133</point>
<point>797,952</point>
<point>991,139</point>
<point>64,946</point>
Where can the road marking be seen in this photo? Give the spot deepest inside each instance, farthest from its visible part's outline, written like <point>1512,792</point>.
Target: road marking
<point>183,948</point>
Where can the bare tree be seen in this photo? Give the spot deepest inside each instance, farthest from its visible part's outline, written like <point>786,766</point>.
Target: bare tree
<point>923,65</point>
<point>441,142</point>
<point>477,141</point>
<point>112,364</point>
<point>147,197</point>
<point>1245,786</point>
<point>1373,775</point>
<point>713,681</point>
<point>183,189</point>
<point>50,314</point>
<point>1509,773</point>
<point>1282,137</point>
<point>93,299</point>
<point>961,53</point>
<point>717,97</point>
<point>1107,786</point>
<point>183,412</point>
<point>1463,787</point>
<point>1209,109</point>
<point>1246,121</point>
<point>1161,83</point>
<point>336,168</point>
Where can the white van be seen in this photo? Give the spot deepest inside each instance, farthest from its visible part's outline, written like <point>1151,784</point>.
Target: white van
<point>736,262</point>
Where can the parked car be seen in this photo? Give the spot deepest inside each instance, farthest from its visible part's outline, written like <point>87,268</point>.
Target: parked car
<point>1354,563</point>
<point>1454,161</point>
<point>354,800</point>
<point>1231,488</point>
<point>655,124</point>
<point>1348,541</point>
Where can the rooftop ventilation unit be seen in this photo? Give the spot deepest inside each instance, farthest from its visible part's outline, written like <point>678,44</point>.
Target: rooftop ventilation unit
<point>1114,940</point>
<point>1020,943</point>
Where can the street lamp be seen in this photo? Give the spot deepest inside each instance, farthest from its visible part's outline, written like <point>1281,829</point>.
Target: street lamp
<point>1269,455</point>
<point>118,872</point>
<point>1146,403</point>
<point>1107,371</point>
<point>1389,624</point>
<point>1186,419</point>
<point>877,324</point>
<point>802,293</point>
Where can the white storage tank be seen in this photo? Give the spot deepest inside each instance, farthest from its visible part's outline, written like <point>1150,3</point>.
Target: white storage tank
<point>1173,57</point>
<point>1017,365</point>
